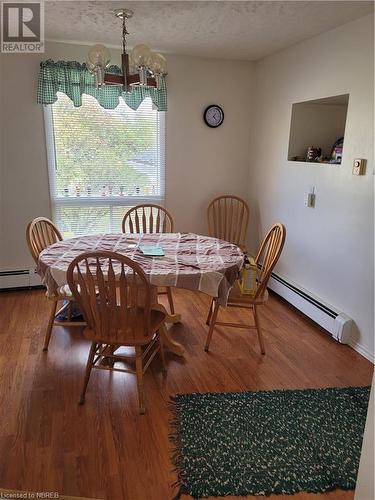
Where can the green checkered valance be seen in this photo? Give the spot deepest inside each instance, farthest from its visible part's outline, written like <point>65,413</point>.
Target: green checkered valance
<point>74,79</point>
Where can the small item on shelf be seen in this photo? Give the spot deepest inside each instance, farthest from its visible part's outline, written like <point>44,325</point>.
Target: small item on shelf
<point>104,191</point>
<point>88,190</point>
<point>336,154</point>
<point>78,191</point>
<point>110,190</point>
<point>313,153</point>
<point>297,158</point>
<point>121,190</point>
<point>137,190</point>
<point>248,280</point>
<point>66,191</point>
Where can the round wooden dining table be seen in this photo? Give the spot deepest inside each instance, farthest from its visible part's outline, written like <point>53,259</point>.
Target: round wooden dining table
<point>190,261</point>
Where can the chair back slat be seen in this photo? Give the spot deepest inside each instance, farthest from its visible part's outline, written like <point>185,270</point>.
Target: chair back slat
<point>114,295</point>
<point>228,219</point>
<point>131,227</point>
<point>151,223</point>
<point>40,234</point>
<point>225,223</point>
<point>234,221</point>
<point>241,222</point>
<point>144,220</point>
<point>147,218</point>
<point>105,306</point>
<point>137,226</point>
<point>87,292</point>
<point>268,255</point>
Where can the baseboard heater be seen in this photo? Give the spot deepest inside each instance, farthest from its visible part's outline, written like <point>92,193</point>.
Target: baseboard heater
<point>337,323</point>
<point>332,320</point>
<point>18,279</point>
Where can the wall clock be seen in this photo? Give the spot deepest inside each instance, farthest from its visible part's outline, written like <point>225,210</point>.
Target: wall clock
<point>213,116</point>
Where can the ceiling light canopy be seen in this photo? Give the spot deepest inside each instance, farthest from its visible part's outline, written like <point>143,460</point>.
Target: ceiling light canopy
<point>141,66</point>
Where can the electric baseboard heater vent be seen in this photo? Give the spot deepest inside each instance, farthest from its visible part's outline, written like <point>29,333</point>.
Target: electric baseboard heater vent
<point>19,278</point>
<point>337,323</point>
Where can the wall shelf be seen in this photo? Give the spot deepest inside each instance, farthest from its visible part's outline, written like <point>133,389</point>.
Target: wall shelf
<point>316,162</point>
<point>318,123</point>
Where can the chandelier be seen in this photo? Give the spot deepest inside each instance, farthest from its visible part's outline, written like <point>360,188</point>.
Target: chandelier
<point>140,67</point>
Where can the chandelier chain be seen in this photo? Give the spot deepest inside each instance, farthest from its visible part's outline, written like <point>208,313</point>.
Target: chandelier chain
<point>124,33</point>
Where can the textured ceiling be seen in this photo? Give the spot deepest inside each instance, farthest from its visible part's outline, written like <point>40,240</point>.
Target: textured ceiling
<point>230,30</point>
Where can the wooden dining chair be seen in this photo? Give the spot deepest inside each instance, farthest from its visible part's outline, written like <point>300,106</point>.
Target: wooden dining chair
<point>40,234</point>
<point>268,255</point>
<point>228,219</point>
<point>147,218</point>
<point>115,297</point>
<point>150,218</point>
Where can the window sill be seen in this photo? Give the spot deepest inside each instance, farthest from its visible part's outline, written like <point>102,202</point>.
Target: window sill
<point>108,200</point>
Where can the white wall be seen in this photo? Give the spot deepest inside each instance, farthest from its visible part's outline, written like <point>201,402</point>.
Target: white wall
<point>200,162</point>
<point>24,186</point>
<point>330,248</point>
<point>1,160</point>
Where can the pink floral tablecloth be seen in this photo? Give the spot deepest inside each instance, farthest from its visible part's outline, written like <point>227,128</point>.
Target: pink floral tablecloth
<point>191,261</point>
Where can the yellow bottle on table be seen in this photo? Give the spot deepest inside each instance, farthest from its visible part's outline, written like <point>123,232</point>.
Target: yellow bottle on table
<point>248,280</point>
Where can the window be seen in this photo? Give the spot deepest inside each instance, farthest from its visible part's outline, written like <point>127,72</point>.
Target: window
<point>102,162</point>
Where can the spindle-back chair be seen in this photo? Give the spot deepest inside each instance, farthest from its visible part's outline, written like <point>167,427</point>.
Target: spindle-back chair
<point>40,234</point>
<point>228,219</point>
<point>149,219</point>
<point>266,259</point>
<point>115,297</point>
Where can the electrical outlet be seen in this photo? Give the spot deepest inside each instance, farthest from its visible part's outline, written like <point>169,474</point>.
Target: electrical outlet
<point>359,166</point>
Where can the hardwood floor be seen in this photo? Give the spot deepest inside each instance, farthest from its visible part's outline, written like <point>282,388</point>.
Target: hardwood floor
<point>105,449</point>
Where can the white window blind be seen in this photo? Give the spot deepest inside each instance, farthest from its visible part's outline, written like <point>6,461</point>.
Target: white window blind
<point>102,162</point>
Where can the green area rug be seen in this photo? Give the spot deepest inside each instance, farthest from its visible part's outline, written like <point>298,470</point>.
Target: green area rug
<point>263,443</point>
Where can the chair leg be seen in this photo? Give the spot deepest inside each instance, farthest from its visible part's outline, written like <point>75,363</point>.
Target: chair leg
<point>88,371</point>
<point>69,310</point>
<point>212,326</point>
<point>209,313</point>
<point>50,325</point>
<point>170,299</point>
<point>161,345</point>
<point>259,332</point>
<point>139,373</point>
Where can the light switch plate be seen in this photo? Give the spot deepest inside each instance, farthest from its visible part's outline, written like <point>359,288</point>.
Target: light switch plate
<point>359,166</point>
